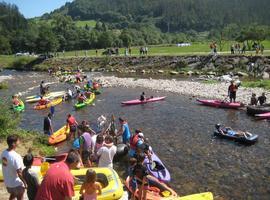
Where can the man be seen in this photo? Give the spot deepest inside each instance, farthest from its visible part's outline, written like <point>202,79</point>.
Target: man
<point>72,123</point>
<point>42,88</point>
<point>232,91</point>
<point>47,125</point>
<point>12,166</point>
<point>124,131</point>
<point>58,183</point>
<point>106,153</point>
<point>135,141</point>
<point>262,99</point>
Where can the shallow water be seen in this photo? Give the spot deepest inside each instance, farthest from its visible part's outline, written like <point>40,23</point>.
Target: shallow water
<point>180,132</point>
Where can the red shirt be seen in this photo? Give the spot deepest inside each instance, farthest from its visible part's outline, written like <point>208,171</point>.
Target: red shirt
<point>58,183</point>
<point>71,121</point>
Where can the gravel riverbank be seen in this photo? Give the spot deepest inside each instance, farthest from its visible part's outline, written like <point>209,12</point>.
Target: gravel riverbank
<point>190,88</point>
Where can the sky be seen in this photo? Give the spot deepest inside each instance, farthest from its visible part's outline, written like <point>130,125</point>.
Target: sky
<point>36,8</point>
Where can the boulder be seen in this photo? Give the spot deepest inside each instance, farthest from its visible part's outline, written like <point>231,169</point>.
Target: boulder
<point>160,71</point>
<point>228,67</point>
<point>242,74</point>
<point>143,71</point>
<point>211,73</point>
<point>209,66</point>
<point>265,75</point>
<point>174,72</point>
<point>190,73</point>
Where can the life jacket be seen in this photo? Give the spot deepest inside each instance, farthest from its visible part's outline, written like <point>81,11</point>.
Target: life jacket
<point>133,141</point>
<point>16,102</point>
<point>42,102</point>
<point>71,121</point>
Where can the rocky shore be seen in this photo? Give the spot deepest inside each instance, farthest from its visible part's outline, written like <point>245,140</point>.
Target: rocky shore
<point>193,89</point>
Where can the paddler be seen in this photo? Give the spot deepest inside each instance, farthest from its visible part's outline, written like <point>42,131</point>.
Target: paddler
<point>43,101</point>
<point>72,123</point>
<point>15,100</point>
<point>135,141</point>
<point>88,94</point>
<point>232,91</point>
<point>262,99</point>
<point>124,131</point>
<point>142,97</point>
<point>81,98</point>
<point>47,125</point>
<point>78,76</point>
<point>89,84</point>
<point>42,88</point>
<point>95,85</point>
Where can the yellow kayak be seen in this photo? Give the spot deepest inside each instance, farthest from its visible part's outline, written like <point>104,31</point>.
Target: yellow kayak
<point>112,187</point>
<point>52,103</point>
<point>59,136</point>
<point>200,196</point>
<point>36,98</point>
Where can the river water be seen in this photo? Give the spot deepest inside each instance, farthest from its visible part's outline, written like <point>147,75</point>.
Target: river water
<point>180,132</point>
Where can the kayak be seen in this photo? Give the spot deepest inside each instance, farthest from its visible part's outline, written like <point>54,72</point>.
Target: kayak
<point>20,107</point>
<point>138,101</point>
<point>50,104</point>
<point>97,92</point>
<point>220,104</point>
<point>50,159</point>
<point>86,102</point>
<point>112,187</point>
<point>59,136</point>
<point>51,95</point>
<point>199,196</point>
<point>157,169</point>
<point>249,139</point>
<point>254,110</point>
<point>263,116</point>
<point>159,192</point>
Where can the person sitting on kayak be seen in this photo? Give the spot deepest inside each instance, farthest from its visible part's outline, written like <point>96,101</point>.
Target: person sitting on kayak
<point>229,131</point>
<point>43,101</point>
<point>232,91</point>
<point>95,85</point>
<point>78,77</point>
<point>81,98</point>
<point>89,84</point>
<point>135,141</point>
<point>142,97</point>
<point>124,131</point>
<point>262,99</point>
<point>88,94</point>
<point>15,100</point>
<point>253,100</point>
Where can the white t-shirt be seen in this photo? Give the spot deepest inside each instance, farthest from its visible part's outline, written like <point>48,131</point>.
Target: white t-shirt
<point>11,162</point>
<point>106,156</point>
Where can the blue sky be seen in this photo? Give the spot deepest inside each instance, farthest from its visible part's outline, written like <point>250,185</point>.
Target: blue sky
<point>35,8</point>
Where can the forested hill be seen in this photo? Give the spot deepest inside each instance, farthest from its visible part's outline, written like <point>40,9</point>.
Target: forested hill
<point>171,15</point>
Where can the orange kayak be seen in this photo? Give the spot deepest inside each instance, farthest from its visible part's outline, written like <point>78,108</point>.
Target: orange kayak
<point>59,136</point>
<point>52,103</point>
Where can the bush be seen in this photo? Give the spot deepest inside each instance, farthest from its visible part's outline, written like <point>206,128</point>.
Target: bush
<point>3,85</point>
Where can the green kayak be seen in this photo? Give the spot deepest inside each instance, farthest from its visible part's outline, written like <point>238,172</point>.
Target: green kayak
<point>19,108</point>
<point>86,102</point>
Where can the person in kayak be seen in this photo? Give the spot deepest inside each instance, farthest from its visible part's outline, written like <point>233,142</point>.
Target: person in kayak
<point>232,91</point>
<point>86,148</point>
<point>47,125</point>
<point>262,99</point>
<point>142,97</point>
<point>88,94</point>
<point>43,101</point>
<point>42,88</point>
<point>124,131</point>
<point>253,100</point>
<point>89,84</point>
<point>135,141</point>
<point>15,100</point>
<point>81,98</point>
<point>72,123</point>
<point>95,85</point>
<point>230,132</point>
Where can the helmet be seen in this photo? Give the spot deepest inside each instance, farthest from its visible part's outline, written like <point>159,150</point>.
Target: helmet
<point>218,126</point>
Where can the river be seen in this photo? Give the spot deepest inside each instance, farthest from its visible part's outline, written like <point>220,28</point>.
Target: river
<point>180,132</point>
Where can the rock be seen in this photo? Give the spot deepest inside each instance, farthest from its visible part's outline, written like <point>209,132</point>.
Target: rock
<point>265,75</point>
<point>190,73</point>
<point>174,72</point>
<point>143,71</point>
<point>194,65</point>
<point>182,72</point>
<point>209,66</point>
<point>211,73</point>
<point>242,74</point>
<point>160,71</point>
<point>132,71</point>
<point>227,67</point>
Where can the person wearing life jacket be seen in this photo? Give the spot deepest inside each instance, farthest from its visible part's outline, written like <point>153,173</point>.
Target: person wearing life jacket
<point>88,94</point>
<point>72,123</point>
<point>78,77</point>
<point>89,84</point>
<point>43,101</point>
<point>135,141</point>
<point>95,85</point>
<point>15,100</point>
<point>232,91</point>
<point>81,98</point>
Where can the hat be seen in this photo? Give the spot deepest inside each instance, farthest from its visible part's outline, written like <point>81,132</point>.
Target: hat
<point>140,135</point>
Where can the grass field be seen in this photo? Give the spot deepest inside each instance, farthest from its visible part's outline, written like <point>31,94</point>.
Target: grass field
<point>90,23</point>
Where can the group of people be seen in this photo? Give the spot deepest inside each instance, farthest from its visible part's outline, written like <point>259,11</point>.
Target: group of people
<point>213,48</point>
<point>261,99</point>
<point>236,48</point>
<point>143,51</point>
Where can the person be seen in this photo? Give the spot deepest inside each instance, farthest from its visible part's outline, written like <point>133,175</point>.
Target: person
<point>89,84</point>
<point>96,52</point>
<point>15,100</point>
<point>12,166</point>
<point>106,153</point>
<point>78,77</point>
<point>262,99</point>
<point>43,101</point>
<point>132,180</point>
<point>86,148</point>
<point>124,131</point>
<point>59,182</point>
<point>232,91</point>
<point>229,131</point>
<point>98,145</point>
<point>30,176</point>
<point>95,85</point>
<point>135,141</point>
<point>232,49</point>
<point>262,48</point>
<point>142,97</point>
<point>253,100</point>
<point>72,124</point>
<point>129,51</point>
<point>81,98</point>
<point>90,188</point>
<point>47,125</point>
<point>88,94</point>
<point>42,88</point>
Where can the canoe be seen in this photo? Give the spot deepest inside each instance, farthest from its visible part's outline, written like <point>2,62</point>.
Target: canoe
<point>138,101</point>
<point>254,110</point>
<point>250,139</point>
<point>59,136</point>
<point>86,102</point>
<point>157,169</point>
<point>154,193</point>
<point>20,107</point>
<point>199,196</point>
<point>220,104</point>
<point>112,187</point>
<point>263,116</point>
<point>51,95</point>
<point>48,105</point>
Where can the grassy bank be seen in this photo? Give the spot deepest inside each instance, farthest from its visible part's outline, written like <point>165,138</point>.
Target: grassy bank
<point>9,125</point>
<point>265,84</point>
<point>11,61</point>
<point>3,85</point>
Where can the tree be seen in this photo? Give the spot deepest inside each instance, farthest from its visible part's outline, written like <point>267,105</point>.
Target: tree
<point>126,38</point>
<point>5,47</point>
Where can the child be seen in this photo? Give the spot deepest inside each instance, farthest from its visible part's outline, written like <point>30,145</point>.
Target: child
<point>106,153</point>
<point>253,100</point>
<point>30,177</point>
<point>90,186</point>
<point>132,183</point>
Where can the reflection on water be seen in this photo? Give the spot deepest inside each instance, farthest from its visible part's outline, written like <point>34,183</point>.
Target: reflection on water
<point>180,132</point>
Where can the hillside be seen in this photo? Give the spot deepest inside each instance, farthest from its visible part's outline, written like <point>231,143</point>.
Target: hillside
<point>170,15</point>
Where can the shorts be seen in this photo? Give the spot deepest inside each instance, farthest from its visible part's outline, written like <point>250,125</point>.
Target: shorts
<point>16,191</point>
<point>73,129</point>
<point>47,132</point>
<point>86,155</point>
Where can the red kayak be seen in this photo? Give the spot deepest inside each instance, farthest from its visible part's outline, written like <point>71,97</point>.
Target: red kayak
<point>263,116</point>
<point>220,104</point>
<point>138,101</point>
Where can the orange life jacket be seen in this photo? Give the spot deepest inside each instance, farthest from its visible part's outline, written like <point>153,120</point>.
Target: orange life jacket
<point>133,141</point>
<point>71,121</point>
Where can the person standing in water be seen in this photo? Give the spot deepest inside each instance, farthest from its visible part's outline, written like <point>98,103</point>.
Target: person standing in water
<point>232,91</point>
<point>47,125</point>
<point>124,131</point>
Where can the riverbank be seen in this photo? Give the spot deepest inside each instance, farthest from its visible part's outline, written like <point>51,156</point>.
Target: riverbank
<point>194,89</point>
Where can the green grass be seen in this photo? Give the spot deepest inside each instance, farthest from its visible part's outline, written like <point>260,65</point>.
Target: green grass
<point>3,85</point>
<point>14,61</point>
<point>265,84</point>
<point>210,81</point>
<point>90,23</point>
